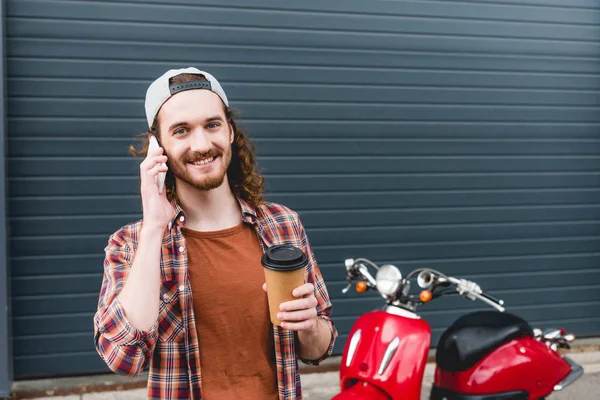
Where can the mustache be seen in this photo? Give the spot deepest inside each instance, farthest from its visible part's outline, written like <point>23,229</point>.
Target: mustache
<point>196,156</point>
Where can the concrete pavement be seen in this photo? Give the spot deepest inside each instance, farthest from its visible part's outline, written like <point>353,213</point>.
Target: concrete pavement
<point>323,386</point>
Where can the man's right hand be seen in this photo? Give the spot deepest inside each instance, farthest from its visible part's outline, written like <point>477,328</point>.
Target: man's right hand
<point>157,209</point>
<point>141,293</point>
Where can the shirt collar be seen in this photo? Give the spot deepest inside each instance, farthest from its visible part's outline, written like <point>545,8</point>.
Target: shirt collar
<point>249,214</point>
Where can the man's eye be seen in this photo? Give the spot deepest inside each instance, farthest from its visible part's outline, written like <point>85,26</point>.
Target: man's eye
<point>180,131</point>
<point>213,125</point>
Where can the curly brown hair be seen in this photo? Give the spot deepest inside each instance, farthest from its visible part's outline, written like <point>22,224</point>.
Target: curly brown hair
<point>245,180</point>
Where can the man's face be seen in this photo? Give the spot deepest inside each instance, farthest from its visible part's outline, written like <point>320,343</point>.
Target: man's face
<point>197,138</point>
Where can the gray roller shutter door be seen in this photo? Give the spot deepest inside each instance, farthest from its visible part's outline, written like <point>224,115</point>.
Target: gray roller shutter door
<point>456,135</point>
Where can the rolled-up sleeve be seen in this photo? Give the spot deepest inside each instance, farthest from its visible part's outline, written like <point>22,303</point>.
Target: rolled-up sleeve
<point>324,306</point>
<point>125,349</point>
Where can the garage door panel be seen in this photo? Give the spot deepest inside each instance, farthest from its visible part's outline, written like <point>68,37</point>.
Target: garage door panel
<point>311,201</point>
<point>127,166</point>
<point>557,13</point>
<point>76,225</point>
<point>35,346</point>
<point>131,128</point>
<point>439,164</point>
<point>52,147</point>
<point>106,69</point>
<point>275,36</point>
<point>130,13</point>
<point>434,233</point>
<point>54,324</point>
<point>79,49</point>
<point>96,205</point>
<point>129,185</point>
<point>93,205</point>
<point>414,251</point>
<point>382,182</point>
<point>48,304</point>
<point>52,246</point>
<point>418,217</point>
<point>28,266</point>
<point>58,364</point>
<point>75,186</point>
<point>80,166</point>
<point>297,147</point>
<point>415,147</point>
<point>100,108</point>
<point>55,284</point>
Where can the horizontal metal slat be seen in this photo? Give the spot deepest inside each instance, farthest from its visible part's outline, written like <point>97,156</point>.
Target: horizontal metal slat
<point>53,345</point>
<point>412,251</point>
<point>57,365</point>
<point>498,10</point>
<point>132,128</point>
<point>53,147</point>
<point>128,166</point>
<point>91,108</point>
<point>148,71</point>
<point>56,285</point>
<point>23,266</point>
<point>304,38</point>
<point>71,48</point>
<point>442,233</point>
<point>304,202</point>
<point>129,185</point>
<point>422,24</point>
<point>54,324</point>
<point>71,304</point>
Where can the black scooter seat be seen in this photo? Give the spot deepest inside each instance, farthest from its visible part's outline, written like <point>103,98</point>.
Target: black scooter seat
<point>473,336</point>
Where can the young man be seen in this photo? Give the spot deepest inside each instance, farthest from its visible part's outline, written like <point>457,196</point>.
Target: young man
<point>183,288</point>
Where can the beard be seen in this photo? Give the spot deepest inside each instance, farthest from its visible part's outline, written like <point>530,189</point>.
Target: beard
<point>208,181</point>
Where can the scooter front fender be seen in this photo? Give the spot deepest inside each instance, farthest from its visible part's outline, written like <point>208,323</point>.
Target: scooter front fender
<point>362,391</point>
<point>387,350</point>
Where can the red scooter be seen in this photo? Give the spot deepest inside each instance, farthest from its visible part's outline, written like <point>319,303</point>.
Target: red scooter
<point>484,355</point>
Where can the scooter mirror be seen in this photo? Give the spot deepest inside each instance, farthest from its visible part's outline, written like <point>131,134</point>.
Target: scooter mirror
<point>349,262</point>
<point>425,279</point>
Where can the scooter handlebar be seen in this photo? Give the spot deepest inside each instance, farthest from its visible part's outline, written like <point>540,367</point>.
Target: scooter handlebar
<point>492,303</point>
<point>356,270</point>
<point>472,290</point>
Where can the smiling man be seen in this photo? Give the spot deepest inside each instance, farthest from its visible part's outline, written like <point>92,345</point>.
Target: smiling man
<point>183,288</point>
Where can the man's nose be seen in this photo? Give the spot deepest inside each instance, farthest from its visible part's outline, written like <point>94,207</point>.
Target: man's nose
<point>200,141</point>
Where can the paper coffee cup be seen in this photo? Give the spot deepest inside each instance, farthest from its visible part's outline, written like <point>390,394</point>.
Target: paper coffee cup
<point>284,272</point>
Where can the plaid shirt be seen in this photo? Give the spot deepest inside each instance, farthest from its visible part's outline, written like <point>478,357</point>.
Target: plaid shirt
<point>171,346</point>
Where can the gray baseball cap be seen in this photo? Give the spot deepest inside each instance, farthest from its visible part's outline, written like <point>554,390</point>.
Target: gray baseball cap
<point>160,91</point>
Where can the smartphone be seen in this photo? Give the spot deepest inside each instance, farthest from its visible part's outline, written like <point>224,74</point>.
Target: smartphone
<point>160,178</point>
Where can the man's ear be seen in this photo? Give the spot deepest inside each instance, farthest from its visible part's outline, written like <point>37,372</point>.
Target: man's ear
<point>231,134</point>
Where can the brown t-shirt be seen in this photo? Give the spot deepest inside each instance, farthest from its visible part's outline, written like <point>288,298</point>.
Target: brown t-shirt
<point>237,354</point>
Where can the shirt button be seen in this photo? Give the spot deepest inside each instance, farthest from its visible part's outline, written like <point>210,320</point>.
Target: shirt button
<point>165,297</point>
<point>183,330</point>
<point>182,218</point>
<point>181,249</point>
<point>181,288</point>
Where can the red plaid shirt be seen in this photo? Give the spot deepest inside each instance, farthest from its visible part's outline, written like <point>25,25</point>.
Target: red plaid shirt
<point>171,346</point>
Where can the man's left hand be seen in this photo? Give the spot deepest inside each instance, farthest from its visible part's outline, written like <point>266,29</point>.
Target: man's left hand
<point>300,314</point>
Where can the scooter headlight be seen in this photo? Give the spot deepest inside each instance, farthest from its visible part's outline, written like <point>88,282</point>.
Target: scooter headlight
<point>388,279</point>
